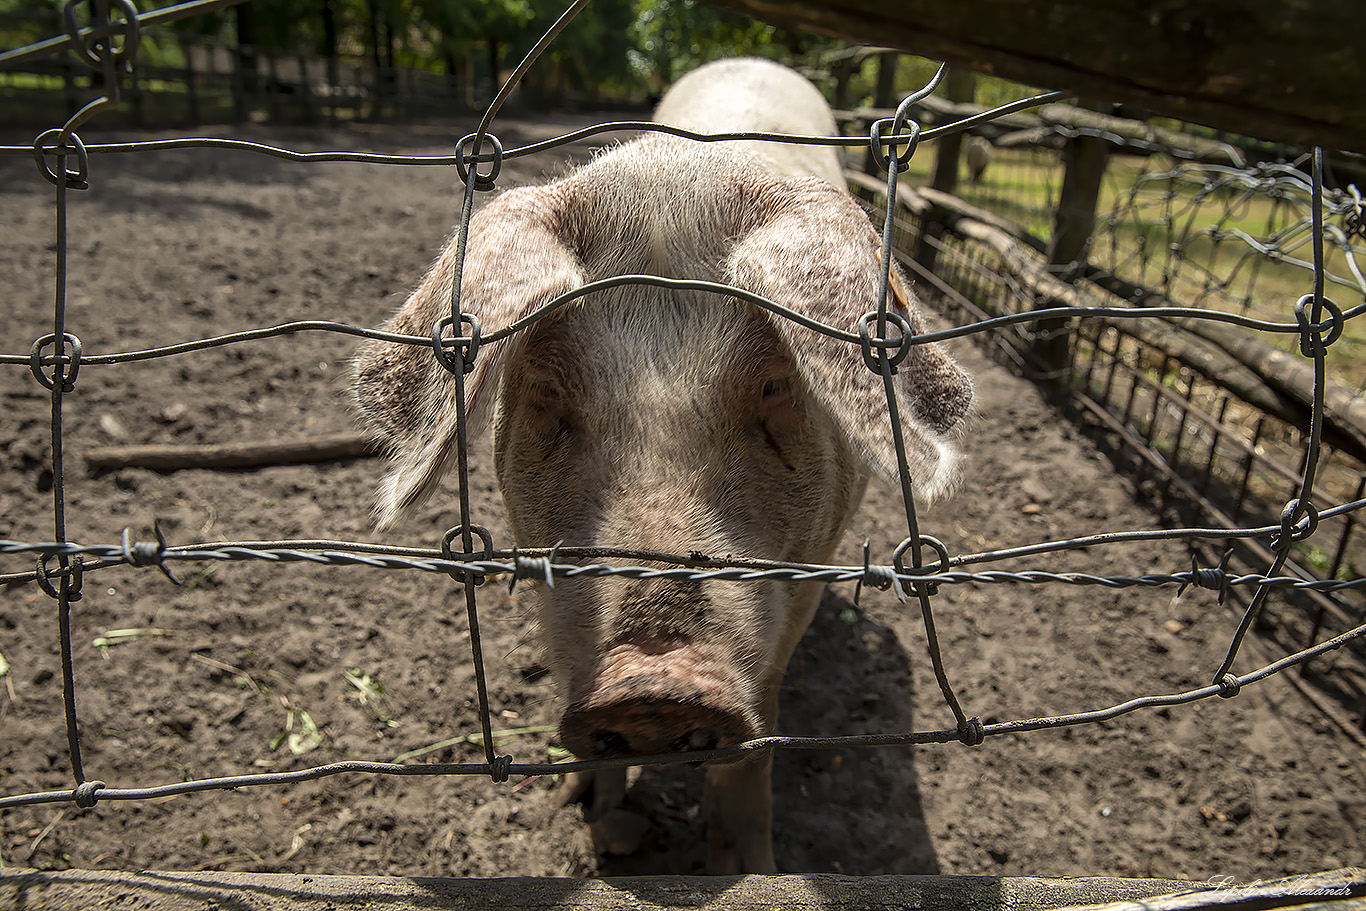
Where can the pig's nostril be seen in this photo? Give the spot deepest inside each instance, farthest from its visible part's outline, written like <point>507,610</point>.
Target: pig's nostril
<point>610,743</point>
<point>679,721</point>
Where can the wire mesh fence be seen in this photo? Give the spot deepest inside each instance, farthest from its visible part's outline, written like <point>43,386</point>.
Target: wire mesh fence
<point>1105,356</point>
<point>1215,425</point>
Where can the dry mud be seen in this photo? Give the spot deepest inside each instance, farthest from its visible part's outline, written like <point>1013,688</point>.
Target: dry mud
<point>178,245</point>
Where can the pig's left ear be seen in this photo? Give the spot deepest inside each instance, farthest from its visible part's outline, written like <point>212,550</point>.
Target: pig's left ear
<point>515,261</point>
<point>814,251</point>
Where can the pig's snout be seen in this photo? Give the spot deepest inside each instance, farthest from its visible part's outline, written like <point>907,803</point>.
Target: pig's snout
<point>651,701</point>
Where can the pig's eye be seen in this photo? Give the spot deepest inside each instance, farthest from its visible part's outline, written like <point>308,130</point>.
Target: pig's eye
<point>777,395</point>
<point>556,433</point>
<point>775,446</point>
<point>777,416</point>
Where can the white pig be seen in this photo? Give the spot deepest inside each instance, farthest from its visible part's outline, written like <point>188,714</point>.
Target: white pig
<point>979,155</point>
<point>675,421</point>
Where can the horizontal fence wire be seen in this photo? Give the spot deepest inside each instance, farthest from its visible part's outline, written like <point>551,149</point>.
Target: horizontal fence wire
<point>1213,426</point>
<point>55,360</point>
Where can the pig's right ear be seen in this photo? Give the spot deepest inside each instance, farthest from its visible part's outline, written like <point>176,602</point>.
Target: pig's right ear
<point>515,261</point>
<point>813,250</point>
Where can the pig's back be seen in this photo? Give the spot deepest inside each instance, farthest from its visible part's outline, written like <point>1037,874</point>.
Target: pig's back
<point>752,95</point>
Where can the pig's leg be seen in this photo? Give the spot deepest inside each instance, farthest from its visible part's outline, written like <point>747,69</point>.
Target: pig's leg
<point>737,801</point>
<point>608,787</point>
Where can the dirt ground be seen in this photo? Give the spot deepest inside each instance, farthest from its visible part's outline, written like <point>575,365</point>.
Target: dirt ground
<point>179,245</point>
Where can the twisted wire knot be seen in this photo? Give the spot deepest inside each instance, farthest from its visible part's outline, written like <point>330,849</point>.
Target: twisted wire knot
<point>1214,578</point>
<point>879,577</point>
<point>70,584</point>
<point>1228,686</point>
<point>500,768</point>
<point>893,350</point>
<point>1316,337</point>
<point>90,51</point>
<point>148,553</point>
<point>1295,527</point>
<point>940,549</point>
<point>84,794</point>
<point>533,567</point>
<point>880,145</point>
<point>53,142</point>
<point>972,732</point>
<point>485,537</point>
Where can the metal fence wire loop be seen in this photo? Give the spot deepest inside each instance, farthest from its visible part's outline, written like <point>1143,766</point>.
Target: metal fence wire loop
<point>500,769</point>
<point>54,142</point>
<point>942,566</point>
<point>42,578</point>
<point>148,553</point>
<point>1295,527</point>
<point>876,349</point>
<point>1313,341</point>
<point>484,536</point>
<point>900,121</point>
<point>72,577</point>
<point>1354,221</point>
<point>1228,686</point>
<point>972,732</point>
<point>461,358</point>
<point>64,366</point>
<point>87,47</point>
<point>467,160</point>
<point>876,141</point>
<point>84,794</point>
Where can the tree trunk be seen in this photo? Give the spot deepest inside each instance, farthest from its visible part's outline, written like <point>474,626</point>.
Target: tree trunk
<point>884,94</point>
<point>247,85</point>
<point>330,49</point>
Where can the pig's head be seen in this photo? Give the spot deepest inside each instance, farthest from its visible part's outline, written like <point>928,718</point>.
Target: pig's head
<point>681,422</point>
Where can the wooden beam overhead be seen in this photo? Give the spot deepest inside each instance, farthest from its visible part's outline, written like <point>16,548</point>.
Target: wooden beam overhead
<point>1282,70</point>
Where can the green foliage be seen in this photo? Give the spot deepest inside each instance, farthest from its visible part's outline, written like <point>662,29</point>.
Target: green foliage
<point>613,48</point>
<point>25,21</point>
<point>670,37</point>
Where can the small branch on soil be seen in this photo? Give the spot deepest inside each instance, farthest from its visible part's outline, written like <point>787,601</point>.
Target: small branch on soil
<point>33,848</point>
<point>246,454</point>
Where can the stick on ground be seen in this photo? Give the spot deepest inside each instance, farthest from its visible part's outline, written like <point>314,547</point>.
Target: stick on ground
<point>247,454</point>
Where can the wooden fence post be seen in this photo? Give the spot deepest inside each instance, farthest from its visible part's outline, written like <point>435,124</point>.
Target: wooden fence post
<point>959,85</point>
<point>246,85</point>
<point>1084,161</point>
<point>884,95</point>
<point>191,86</point>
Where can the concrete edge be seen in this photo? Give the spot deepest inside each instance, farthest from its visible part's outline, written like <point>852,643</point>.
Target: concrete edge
<point>34,890</point>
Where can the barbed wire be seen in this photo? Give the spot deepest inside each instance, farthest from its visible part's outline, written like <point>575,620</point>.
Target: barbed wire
<point>539,568</point>
<point>56,358</point>
<point>126,553</point>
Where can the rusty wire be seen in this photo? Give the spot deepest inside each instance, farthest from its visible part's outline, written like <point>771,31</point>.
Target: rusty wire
<point>55,360</point>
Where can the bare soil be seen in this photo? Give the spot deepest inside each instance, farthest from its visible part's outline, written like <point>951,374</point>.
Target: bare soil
<point>178,245</point>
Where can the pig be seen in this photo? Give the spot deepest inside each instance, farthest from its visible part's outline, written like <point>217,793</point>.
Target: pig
<point>979,155</point>
<point>677,421</point>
